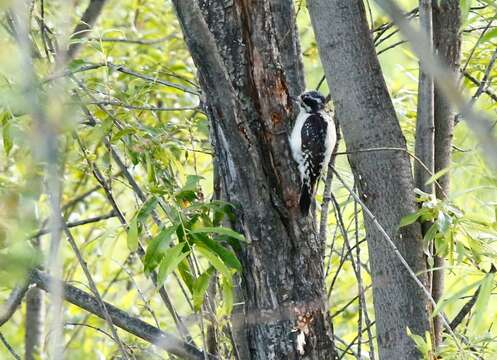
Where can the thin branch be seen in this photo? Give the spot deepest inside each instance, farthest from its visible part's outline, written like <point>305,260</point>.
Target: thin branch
<point>396,149</point>
<point>394,45</point>
<point>130,72</point>
<point>134,41</point>
<point>143,108</point>
<point>445,81</point>
<point>397,253</point>
<point>123,320</point>
<point>475,81</point>
<point>84,26</point>
<point>95,291</point>
<point>9,348</point>
<point>92,220</point>
<point>141,252</point>
<point>486,76</point>
<point>8,309</point>
<point>465,310</point>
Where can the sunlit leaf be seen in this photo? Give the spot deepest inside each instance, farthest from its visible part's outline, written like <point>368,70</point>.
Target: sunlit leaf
<point>171,259</point>
<point>133,235</point>
<point>481,304</point>
<point>226,255</point>
<point>227,287</point>
<point>446,300</point>
<point>200,287</point>
<point>220,230</point>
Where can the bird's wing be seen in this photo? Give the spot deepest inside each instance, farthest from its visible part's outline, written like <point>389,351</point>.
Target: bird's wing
<point>314,145</point>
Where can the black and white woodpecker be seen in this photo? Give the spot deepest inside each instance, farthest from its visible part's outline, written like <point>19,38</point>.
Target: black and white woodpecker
<point>312,141</point>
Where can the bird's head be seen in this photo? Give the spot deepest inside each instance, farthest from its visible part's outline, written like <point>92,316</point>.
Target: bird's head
<point>312,101</point>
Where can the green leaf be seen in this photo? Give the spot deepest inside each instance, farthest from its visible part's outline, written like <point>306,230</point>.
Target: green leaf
<point>76,64</point>
<point>122,133</point>
<point>133,235</point>
<point>456,296</point>
<point>219,230</point>
<point>489,35</point>
<point>424,345</point>
<point>227,286</point>
<point>430,234</point>
<point>186,275</point>
<point>437,176</point>
<point>481,304</point>
<point>6,136</point>
<point>200,286</point>
<point>150,168</point>
<point>170,261</point>
<point>226,255</point>
<point>443,222</point>
<point>465,7</point>
<point>410,219</point>
<point>156,247</point>
<point>189,190</point>
<point>214,260</point>
<point>147,208</point>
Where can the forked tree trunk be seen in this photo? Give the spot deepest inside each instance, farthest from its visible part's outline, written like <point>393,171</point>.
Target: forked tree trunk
<point>247,56</point>
<point>384,178</point>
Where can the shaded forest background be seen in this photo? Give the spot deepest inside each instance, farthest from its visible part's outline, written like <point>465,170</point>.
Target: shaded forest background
<point>119,129</point>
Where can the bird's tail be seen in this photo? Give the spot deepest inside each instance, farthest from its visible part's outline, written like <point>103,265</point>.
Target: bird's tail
<point>305,198</point>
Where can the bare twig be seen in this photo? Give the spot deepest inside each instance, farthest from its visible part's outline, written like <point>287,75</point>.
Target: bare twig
<point>486,76</point>
<point>80,222</point>
<point>9,348</point>
<point>397,253</point>
<point>143,108</point>
<point>464,310</point>
<point>445,81</point>
<point>475,81</point>
<point>394,45</point>
<point>95,291</point>
<point>8,309</point>
<point>84,26</point>
<point>122,319</point>
<point>468,306</point>
<point>133,41</point>
<point>130,72</point>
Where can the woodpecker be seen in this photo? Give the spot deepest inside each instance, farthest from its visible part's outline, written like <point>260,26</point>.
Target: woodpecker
<point>312,141</point>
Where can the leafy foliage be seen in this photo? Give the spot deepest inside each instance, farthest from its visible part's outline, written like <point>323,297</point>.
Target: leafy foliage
<point>133,140</point>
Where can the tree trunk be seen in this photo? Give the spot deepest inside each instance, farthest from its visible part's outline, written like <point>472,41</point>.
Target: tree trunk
<point>447,42</point>
<point>384,178</point>
<point>33,337</point>
<point>425,128</point>
<point>247,76</point>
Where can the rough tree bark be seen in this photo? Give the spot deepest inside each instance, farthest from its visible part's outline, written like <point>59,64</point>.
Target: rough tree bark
<point>247,76</point>
<point>384,178</point>
<point>33,337</point>
<point>425,129</point>
<point>447,43</point>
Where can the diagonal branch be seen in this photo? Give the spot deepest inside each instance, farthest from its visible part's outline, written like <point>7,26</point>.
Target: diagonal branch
<point>8,309</point>
<point>95,291</point>
<point>445,80</point>
<point>84,26</point>
<point>123,320</point>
